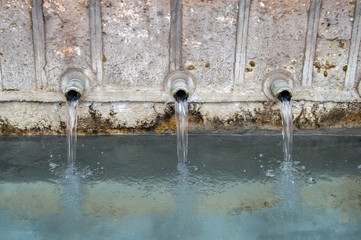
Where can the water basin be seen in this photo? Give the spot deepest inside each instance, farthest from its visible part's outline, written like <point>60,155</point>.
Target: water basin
<point>132,187</point>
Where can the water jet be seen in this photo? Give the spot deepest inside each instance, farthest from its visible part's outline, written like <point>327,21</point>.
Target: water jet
<point>74,83</point>
<point>180,86</point>
<point>278,85</point>
<point>281,90</point>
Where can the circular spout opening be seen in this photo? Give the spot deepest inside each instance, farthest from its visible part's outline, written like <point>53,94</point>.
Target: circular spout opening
<point>74,90</point>
<point>181,95</point>
<point>278,85</point>
<point>74,84</point>
<point>281,89</point>
<point>72,95</point>
<point>284,96</point>
<point>180,85</point>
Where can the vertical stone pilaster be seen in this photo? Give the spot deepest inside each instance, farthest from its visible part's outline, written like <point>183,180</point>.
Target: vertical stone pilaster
<point>96,40</point>
<point>241,42</point>
<point>354,48</point>
<point>311,41</point>
<point>39,43</point>
<point>175,36</point>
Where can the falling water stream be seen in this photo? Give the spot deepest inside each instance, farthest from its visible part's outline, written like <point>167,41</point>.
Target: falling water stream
<point>181,116</point>
<point>72,107</point>
<point>184,219</point>
<point>288,190</point>
<point>72,195</point>
<point>286,113</point>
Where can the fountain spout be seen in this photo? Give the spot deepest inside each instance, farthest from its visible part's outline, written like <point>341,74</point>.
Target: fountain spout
<point>74,90</point>
<point>74,84</point>
<point>180,90</point>
<point>278,85</point>
<point>180,85</point>
<point>281,90</point>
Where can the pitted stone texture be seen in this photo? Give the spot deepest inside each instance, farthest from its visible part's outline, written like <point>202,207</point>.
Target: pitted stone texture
<point>330,64</point>
<point>276,40</point>
<point>333,43</point>
<point>336,19</point>
<point>16,46</point>
<point>136,42</point>
<point>28,118</point>
<point>46,118</point>
<point>136,61</point>
<point>231,117</point>
<point>118,117</point>
<point>209,41</point>
<point>67,38</point>
<point>115,118</point>
<point>315,115</point>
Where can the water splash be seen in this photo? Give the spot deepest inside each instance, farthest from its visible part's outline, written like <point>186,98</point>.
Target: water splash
<point>73,192</point>
<point>184,224</point>
<point>288,190</point>
<point>72,108</point>
<point>72,195</point>
<point>181,116</point>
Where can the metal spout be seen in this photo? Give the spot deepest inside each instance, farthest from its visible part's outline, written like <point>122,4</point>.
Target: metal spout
<point>74,90</point>
<point>180,90</point>
<point>281,90</point>
<point>180,85</point>
<point>74,83</point>
<point>278,84</point>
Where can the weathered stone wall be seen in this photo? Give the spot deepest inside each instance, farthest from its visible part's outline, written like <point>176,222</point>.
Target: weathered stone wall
<point>127,48</point>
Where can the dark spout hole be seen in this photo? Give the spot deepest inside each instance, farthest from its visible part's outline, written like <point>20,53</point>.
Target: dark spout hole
<point>284,96</point>
<point>72,95</point>
<point>181,95</point>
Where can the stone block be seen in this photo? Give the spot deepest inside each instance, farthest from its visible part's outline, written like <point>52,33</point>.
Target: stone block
<point>209,41</point>
<point>16,46</point>
<point>276,40</point>
<point>67,38</point>
<point>136,43</point>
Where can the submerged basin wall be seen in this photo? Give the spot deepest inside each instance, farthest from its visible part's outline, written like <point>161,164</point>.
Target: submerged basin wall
<point>127,49</point>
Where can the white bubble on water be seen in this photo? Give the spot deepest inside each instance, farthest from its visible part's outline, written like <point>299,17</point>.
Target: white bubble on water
<point>53,165</point>
<point>270,173</point>
<point>311,180</point>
